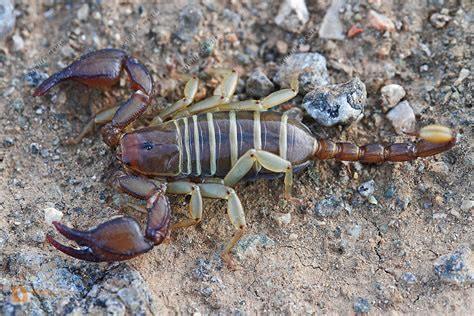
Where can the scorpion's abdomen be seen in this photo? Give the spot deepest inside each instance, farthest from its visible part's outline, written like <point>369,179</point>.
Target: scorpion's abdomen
<point>211,143</point>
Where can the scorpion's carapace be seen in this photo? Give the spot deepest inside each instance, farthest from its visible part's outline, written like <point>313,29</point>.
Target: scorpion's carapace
<point>213,138</point>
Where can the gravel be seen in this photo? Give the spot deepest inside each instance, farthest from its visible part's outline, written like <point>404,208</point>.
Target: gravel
<point>311,68</point>
<point>361,305</point>
<point>337,104</point>
<point>456,267</point>
<point>332,27</point>
<point>329,207</point>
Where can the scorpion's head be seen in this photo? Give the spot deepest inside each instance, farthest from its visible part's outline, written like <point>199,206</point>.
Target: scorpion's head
<point>150,151</point>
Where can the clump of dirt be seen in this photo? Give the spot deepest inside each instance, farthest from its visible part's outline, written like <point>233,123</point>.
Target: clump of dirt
<point>396,248</point>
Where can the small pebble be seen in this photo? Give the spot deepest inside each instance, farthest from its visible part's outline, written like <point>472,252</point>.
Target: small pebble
<point>311,68</point>
<point>283,220</point>
<point>7,18</point>
<point>402,117</point>
<point>467,205</point>
<point>282,47</point>
<point>189,19</point>
<point>392,94</point>
<point>408,278</point>
<point>380,22</point>
<point>439,20</point>
<point>366,189</point>
<point>337,104</point>
<point>456,267</point>
<point>34,148</point>
<point>332,27</point>
<point>52,215</point>
<point>258,85</point>
<point>34,78</point>
<point>292,15</point>
<point>18,43</point>
<point>463,74</point>
<point>372,200</point>
<point>329,207</point>
<point>83,12</point>
<point>361,305</point>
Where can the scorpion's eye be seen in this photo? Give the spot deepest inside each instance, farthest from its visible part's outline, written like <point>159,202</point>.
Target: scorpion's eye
<point>147,146</point>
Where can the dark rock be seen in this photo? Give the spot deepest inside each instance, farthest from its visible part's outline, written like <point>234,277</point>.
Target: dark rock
<point>337,104</point>
<point>329,207</point>
<point>34,148</point>
<point>258,85</point>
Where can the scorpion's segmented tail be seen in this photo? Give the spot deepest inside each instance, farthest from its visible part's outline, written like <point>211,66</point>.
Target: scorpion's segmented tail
<point>434,140</point>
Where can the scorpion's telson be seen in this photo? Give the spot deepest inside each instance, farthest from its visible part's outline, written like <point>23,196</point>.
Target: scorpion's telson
<point>216,138</point>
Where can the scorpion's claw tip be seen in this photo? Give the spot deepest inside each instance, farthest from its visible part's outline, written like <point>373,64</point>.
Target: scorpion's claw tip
<point>82,254</point>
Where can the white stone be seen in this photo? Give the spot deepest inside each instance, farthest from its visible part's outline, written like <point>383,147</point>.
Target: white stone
<point>83,12</point>
<point>51,215</point>
<point>392,94</point>
<point>332,27</point>
<point>18,43</point>
<point>292,15</point>
<point>402,117</point>
<point>284,219</point>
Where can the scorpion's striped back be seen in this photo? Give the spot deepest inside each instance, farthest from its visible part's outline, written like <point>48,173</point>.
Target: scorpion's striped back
<point>211,143</point>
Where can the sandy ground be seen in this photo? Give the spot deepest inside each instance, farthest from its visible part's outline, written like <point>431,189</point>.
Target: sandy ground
<point>383,257</point>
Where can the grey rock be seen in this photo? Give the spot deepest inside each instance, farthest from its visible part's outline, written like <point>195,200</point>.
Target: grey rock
<point>258,85</point>
<point>18,43</point>
<point>402,117</point>
<point>189,20</point>
<point>456,267</point>
<point>439,20</point>
<point>83,12</point>
<point>202,270</point>
<point>332,27</point>
<point>292,15</point>
<point>354,231</point>
<point>247,246</point>
<point>337,104</point>
<point>8,142</point>
<point>366,189</point>
<point>392,94</point>
<point>329,207</point>
<point>311,68</point>
<point>34,78</point>
<point>361,305</point>
<point>7,18</point>
<point>409,278</point>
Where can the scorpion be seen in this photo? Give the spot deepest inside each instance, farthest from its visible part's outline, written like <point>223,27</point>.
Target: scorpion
<point>201,149</point>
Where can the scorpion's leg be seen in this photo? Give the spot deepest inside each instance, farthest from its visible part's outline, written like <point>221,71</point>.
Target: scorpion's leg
<point>275,98</point>
<point>195,206</point>
<point>190,90</point>
<point>101,69</point>
<point>235,212</point>
<point>99,119</point>
<point>121,238</point>
<point>213,191</point>
<point>268,161</point>
<point>222,95</point>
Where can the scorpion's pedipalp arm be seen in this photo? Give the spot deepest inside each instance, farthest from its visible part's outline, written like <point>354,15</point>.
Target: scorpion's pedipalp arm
<point>121,238</point>
<point>101,69</point>
<point>435,139</point>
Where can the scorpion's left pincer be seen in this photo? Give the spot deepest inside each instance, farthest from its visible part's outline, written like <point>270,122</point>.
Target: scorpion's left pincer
<point>121,238</point>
